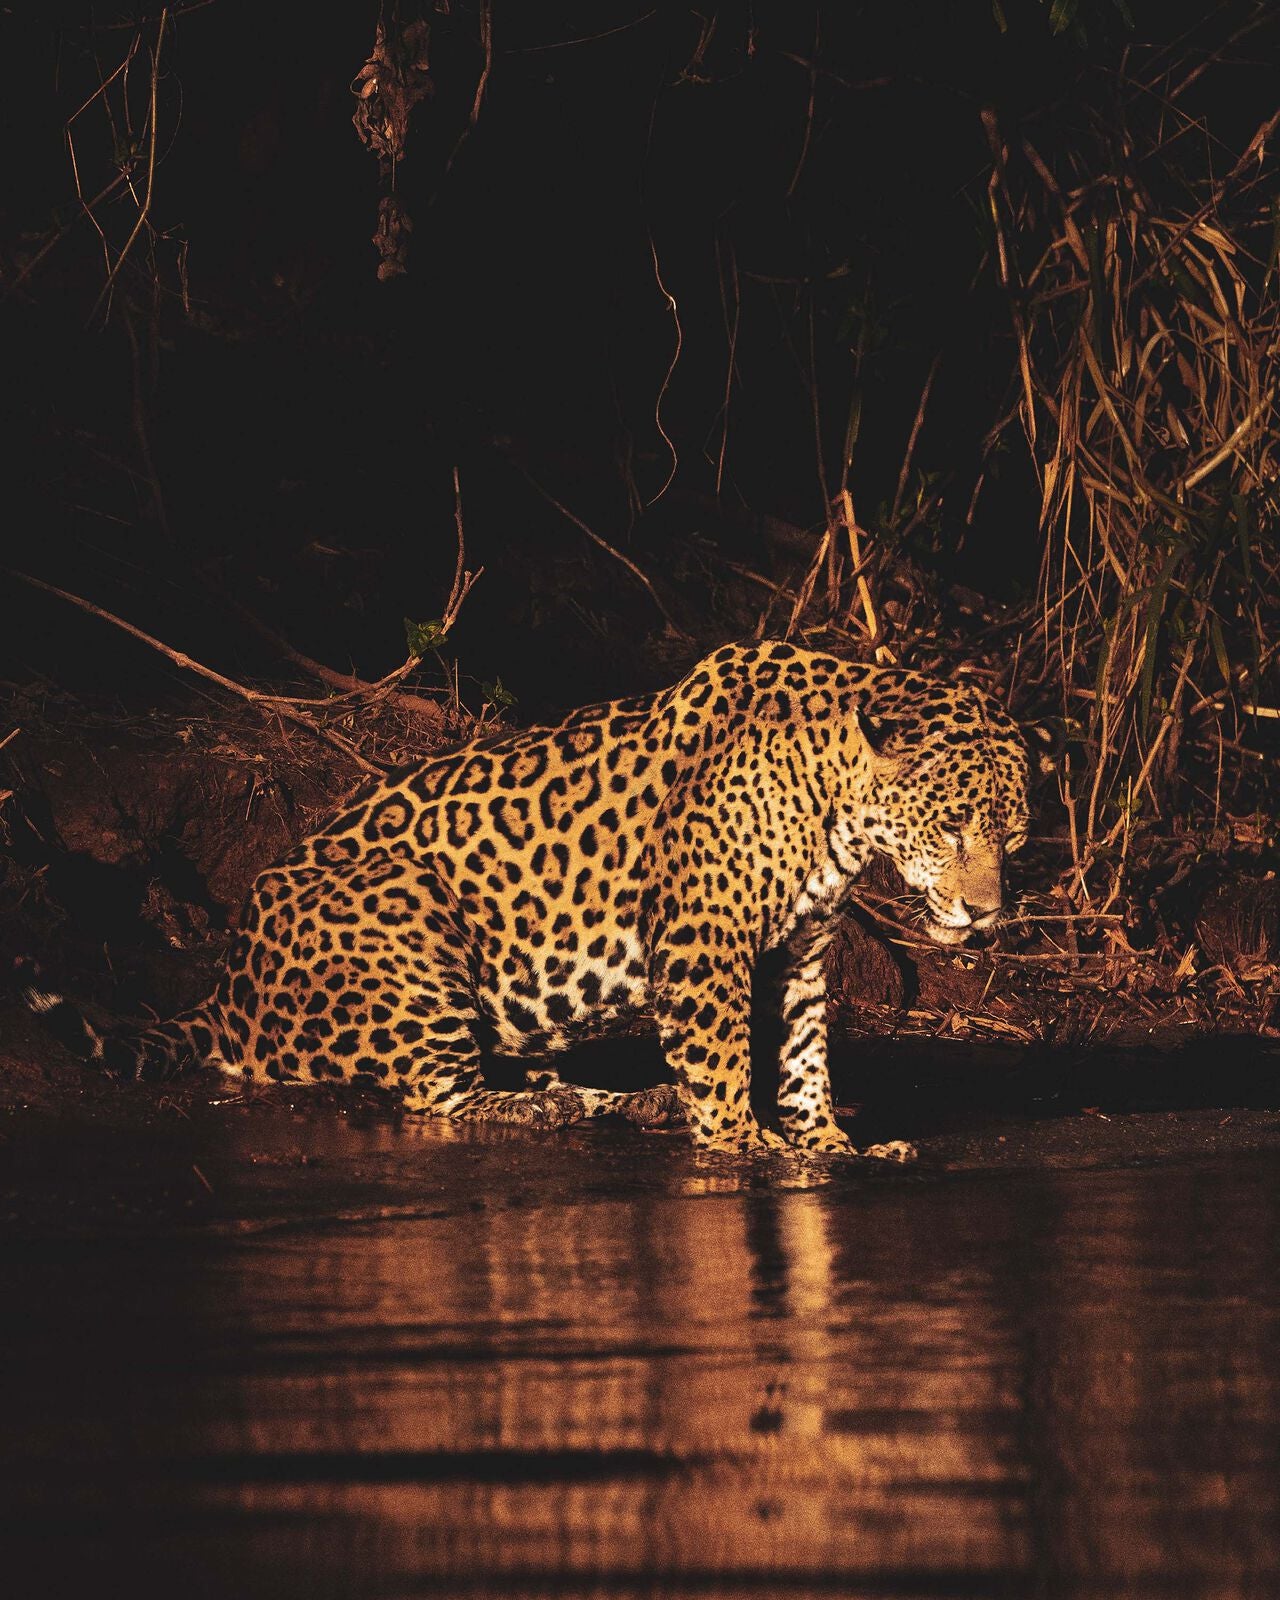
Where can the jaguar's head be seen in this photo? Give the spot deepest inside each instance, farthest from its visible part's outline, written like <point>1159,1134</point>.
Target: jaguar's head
<point>944,798</point>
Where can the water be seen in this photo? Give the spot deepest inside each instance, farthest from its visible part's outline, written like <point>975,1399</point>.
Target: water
<point>373,1361</point>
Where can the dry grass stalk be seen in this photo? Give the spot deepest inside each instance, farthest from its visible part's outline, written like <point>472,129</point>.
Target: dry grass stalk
<point>1148,353</point>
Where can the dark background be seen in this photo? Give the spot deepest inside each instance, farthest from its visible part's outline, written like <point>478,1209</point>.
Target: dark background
<point>253,415</point>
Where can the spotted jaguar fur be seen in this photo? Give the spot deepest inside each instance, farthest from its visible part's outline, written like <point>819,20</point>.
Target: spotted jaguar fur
<point>640,856</point>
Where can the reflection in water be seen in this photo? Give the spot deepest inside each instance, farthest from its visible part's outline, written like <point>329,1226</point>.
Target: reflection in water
<point>1034,1385</point>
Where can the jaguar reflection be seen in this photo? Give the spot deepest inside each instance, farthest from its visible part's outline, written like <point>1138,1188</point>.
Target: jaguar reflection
<point>1037,1383</point>
<point>1023,1378</point>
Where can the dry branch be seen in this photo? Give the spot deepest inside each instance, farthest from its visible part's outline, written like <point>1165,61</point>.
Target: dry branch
<point>609,549</point>
<point>666,381</point>
<point>280,705</point>
<point>153,125</point>
<point>346,685</point>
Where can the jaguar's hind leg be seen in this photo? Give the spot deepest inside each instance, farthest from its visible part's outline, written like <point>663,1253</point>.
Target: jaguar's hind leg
<point>655,1106</point>
<point>453,1087</point>
<point>445,1078</point>
<point>458,1092</point>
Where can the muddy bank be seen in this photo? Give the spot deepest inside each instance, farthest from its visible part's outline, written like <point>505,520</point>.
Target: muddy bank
<point>80,1154</point>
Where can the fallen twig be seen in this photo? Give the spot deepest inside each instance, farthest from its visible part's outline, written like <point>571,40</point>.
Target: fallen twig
<point>1071,916</point>
<point>280,704</point>
<point>347,685</point>
<point>1048,956</point>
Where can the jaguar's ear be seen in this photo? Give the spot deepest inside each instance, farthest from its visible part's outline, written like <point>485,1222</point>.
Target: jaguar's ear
<point>1046,741</point>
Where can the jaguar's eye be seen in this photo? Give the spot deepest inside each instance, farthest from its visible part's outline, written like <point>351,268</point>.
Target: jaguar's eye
<point>954,838</point>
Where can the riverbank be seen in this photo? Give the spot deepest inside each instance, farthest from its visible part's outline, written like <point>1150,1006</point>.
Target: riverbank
<point>128,842</point>
<point>80,1154</point>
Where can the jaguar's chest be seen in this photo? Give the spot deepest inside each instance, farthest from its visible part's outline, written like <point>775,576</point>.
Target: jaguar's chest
<point>822,893</point>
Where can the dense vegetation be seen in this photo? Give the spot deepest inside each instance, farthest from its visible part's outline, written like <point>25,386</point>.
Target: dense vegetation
<point>942,334</point>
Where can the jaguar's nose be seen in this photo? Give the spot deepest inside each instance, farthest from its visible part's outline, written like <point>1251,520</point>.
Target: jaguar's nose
<point>981,916</point>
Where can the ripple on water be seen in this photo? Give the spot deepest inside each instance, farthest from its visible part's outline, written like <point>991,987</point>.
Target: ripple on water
<point>572,1375</point>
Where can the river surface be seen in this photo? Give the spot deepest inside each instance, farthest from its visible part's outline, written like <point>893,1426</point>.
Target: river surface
<point>305,1356</point>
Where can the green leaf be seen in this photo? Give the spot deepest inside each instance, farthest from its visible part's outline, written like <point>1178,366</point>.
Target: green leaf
<point>423,636</point>
<point>496,696</point>
<point>1244,532</point>
<point>1104,659</point>
<point>1151,645</point>
<point>1099,323</point>
<point>1126,15</point>
<point>1273,254</point>
<point>1220,650</point>
<point>1062,14</point>
<point>855,425</point>
<point>1183,282</point>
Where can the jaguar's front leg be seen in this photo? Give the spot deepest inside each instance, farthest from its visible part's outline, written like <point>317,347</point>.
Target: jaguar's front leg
<point>703,1009</point>
<point>804,1082</point>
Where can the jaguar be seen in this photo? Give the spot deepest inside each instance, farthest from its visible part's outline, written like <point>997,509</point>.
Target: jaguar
<point>531,888</point>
